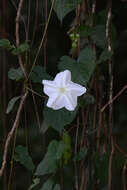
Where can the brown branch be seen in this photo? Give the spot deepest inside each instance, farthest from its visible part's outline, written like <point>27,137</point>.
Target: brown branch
<point>110,70</point>
<point>28,21</point>
<point>108,37</point>
<point>93,12</point>
<point>11,133</point>
<point>115,97</point>
<point>124,175</point>
<point>84,179</point>
<point>35,107</point>
<point>124,167</point>
<point>110,165</point>
<point>120,150</point>
<point>35,23</point>
<point>17,36</point>
<point>45,41</point>
<point>76,146</point>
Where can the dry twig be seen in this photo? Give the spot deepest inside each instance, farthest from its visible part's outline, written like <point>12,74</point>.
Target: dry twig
<point>17,36</point>
<point>124,175</point>
<point>115,97</point>
<point>108,37</point>
<point>11,133</point>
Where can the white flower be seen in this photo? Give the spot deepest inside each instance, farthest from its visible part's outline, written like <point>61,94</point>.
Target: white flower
<point>62,91</point>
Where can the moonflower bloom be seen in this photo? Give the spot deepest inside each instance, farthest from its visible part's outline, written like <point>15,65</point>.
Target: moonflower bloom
<point>62,91</point>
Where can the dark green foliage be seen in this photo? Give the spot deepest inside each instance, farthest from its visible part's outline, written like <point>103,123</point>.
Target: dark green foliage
<point>99,36</point>
<point>63,7</point>
<point>49,164</point>
<point>105,55</point>
<point>87,62</point>
<point>48,185</point>
<point>38,74</point>
<point>11,104</point>
<point>21,49</point>
<point>68,149</point>
<point>36,181</point>
<point>81,154</point>
<point>102,164</point>
<point>61,141</point>
<point>15,74</point>
<point>57,187</point>
<point>83,68</point>
<point>70,64</point>
<point>58,119</point>
<point>22,156</point>
<point>5,43</point>
<point>51,161</point>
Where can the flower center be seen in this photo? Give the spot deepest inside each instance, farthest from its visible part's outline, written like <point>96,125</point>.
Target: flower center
<point>63,90</point>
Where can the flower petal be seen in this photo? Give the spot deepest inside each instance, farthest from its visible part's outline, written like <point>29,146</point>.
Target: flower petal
<point>71,101</point>
<point>48,82</point>
<point>58,103</point>
<point>62,91</point>
<point>77,89</point>
<point>52,100</point>
<point>63,78</point>
<point>49,87</point>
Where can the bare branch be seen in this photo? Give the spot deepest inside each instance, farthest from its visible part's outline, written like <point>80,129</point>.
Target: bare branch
<point>124,175</point>
<point>115,97</point>
<point>110,165</point>
<point>11,133</point>
<point>17,36</point>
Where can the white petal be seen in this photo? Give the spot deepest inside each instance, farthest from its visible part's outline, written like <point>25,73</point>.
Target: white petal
<point>52,100</point>
<point>48,82</point>
<point>58,102</point>
<point>76,89</point>
<point>63,78</point>
<point>49,90</point>
<point>71,101</point>
<point>49,87</point>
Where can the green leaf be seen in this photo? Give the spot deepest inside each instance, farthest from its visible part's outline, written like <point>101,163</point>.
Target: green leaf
<point>54,154</point>
<point>15,74</point>
<point>48,185</point>
<point>63,7</point>
<point>5,43</point>
<point>87,55</point>
<point>21,49</point>
<point>70,64</point>
<point>81,70</point>
<point>87,63</point>
<point>11,104</point>
<point>86,100</point>
<point>58,119</point>
<point>105,55</point>
<point>60,150</point>
<point>85,31</point>
<point>49,164</point>
<point>81,154</point>
<point>57,187</point>
<point>99,36</point>
<point>102,164</point>
<point>38,74</point>
<point>21,155</point>
<point>36,181</point>
<point>68,150</point>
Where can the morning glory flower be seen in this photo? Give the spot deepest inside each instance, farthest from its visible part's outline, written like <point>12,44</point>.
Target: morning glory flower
<point>62,91</point>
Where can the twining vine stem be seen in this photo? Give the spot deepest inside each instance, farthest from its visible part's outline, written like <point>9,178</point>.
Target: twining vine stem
<point>43,37</point>
<point>113,99</point>
<point>11,133</point>
<point>23,98</point>
<point>109,41</point>
<point>17,36</point>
